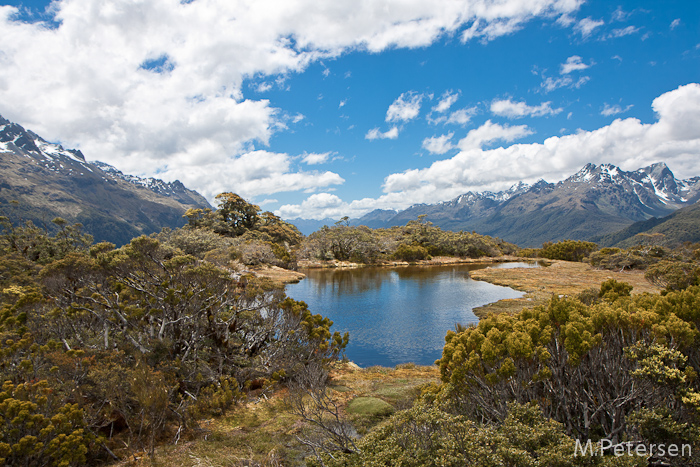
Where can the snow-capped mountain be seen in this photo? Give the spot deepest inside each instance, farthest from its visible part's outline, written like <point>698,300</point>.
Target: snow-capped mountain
<point>594,201</point>
<point>50,181</point>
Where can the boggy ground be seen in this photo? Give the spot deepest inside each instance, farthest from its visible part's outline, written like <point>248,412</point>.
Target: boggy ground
<point>560,277</point>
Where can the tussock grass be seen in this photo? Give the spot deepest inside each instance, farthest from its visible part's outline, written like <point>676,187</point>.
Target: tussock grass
<point>560,278</point>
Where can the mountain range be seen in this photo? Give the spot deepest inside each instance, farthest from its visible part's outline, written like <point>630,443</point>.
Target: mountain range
<point>49,181</point>
<point>601,203</point>
<point>596,201</point>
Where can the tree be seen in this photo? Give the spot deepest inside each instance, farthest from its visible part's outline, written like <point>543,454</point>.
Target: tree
<point>237,214</point>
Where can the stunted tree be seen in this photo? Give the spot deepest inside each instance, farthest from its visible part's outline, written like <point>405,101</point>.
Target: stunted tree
<point>147,297</point>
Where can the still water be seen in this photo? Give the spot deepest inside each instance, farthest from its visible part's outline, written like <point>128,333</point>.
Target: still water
<point>398,315</point>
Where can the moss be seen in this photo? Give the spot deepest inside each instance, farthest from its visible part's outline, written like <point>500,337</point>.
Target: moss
<point>370,406</point>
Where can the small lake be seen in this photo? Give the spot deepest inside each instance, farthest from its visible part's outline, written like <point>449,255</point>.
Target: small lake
<point>398,315</point>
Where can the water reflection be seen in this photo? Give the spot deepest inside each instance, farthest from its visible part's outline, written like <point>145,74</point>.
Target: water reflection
<point>397,315</point>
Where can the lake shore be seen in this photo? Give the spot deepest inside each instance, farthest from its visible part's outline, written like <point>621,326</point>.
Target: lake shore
<point>435,261</point>
<point>560,278</point>
<point>539,284</point>
<point>288,276</point>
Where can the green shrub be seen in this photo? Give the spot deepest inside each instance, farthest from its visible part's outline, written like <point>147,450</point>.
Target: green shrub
<point>410,253</point>
<point>673,275</point>
<point>567,250</point>
<point>370,406</point>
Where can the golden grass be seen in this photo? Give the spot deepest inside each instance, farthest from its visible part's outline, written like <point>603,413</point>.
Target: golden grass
<point>561,278</point>
<point>263,433</point>
<point>278,274</point>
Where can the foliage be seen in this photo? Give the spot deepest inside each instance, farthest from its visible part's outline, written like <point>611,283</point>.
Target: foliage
<point>38,245</point>
<point>415,241</point>
<point>116,349</point>
<point>567,250</point>
<point>195,242</point>
<point>638,257</point>
<point>410,252</point>
<point>34,432</point>
<point>235,217</point>
<point>426,435</point>
<point>559,355</point>
<point>673,275</point>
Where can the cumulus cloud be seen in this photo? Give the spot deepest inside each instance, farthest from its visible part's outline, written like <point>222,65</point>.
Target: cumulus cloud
<point>316,206</point>
<point>586,26</point>
<point>406,107</point>
<point>490,132</point>
<point>510,109</point>
<point>251,174</point>
<point>438,144</point>
<point>628,143</point>
<point>573,63</point>
<point>374,133</point>
<point>675,23</point>
<point>156,87</point>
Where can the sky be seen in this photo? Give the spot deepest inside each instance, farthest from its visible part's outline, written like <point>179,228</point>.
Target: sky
<point>318,109</point>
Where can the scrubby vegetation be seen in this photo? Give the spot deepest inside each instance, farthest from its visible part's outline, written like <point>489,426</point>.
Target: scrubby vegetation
<point>109,351</point>
<point>415,241</point>
<point>521,389</point>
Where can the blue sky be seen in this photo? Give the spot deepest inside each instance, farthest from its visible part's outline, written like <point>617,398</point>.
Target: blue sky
<point>336,108</point>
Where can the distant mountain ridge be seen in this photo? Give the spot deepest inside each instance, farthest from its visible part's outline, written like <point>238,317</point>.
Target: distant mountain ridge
<point>50,181</point>
<point>595,201</point>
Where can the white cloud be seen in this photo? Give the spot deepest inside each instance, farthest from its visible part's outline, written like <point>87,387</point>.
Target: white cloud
<point>609,110</point>
<point>328,204</point>
<point>316,158</point>
<point>462,116</point>
<point>630,144</point>
<point>489,132</point>
<point>251,174</point>
<point>573,63</point>
<point>620,14</point>
<point>508,108</point>
<point>675,23</point>
<point>622,32</point>
<point>550,84</point>
<point>374,133</point>
<point>446,102</point>
<point>438,144</point>
<point>342,103</point>
<point>566,20</point>
<point>586,26</point>
<point>263,87</point>
<point>406,107</point>
<point>80,80</point>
